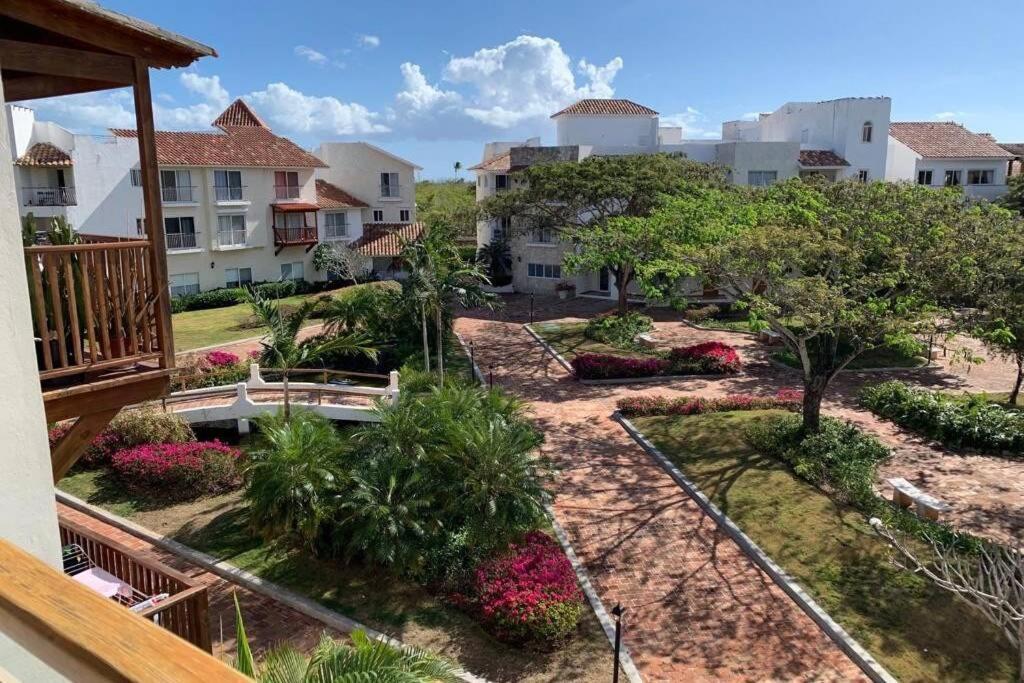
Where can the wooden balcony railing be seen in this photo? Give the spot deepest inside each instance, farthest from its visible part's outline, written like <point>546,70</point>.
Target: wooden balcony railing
<point>303,235</point>
<point>94,306</point>
<point>185,613</point>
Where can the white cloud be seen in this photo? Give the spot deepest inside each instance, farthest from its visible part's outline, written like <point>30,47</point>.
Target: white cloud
<point>951,115</point>
<point>419,95</point>
<point>199,115</point>
<point>291,111</point>
<point>751,116</point>
<point>368,41</point>
<point>693,123</point>
<point>208,87</point>
<point>87,112</point>
<point>310,54</point>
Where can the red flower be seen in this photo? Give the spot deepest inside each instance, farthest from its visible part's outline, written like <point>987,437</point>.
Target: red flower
<point>220,359</point>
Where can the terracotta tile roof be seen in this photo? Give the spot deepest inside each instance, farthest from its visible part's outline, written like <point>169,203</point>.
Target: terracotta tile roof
<point>821,157</point>
<point>499,162</point>
<point>330,196</point>
<point>293,207</point>
<point>1014,148</point>
<point>239,113</point>
<point>245,141</point>
<point>946,140</point>
<point>592,107</point>
<point>44,154</point>
<point>385,239</point>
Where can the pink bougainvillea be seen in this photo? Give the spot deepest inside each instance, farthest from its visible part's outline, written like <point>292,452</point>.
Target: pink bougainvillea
<point>529,593</point>
<point>713,357</point>
<point>220,359</point>
<point>179,470</point>
<point>97,453</point>
<point>707,358</point>
<point>638,406</point>
<point>608,366</point>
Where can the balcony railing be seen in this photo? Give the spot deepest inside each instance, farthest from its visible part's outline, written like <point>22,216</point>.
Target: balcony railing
<point>286,191</point>
<point>229,193</point>
<point>49,196</point>
<point>390,191</point>
<point>184,193</point>
<point>94,306</point>
<point>184,613</point>
<point>231,238</point>
<point>303,235</point>
<point>180,240</point>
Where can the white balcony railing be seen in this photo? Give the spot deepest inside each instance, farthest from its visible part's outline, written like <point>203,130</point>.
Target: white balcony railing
<point>231,238</point>
<point>178,193</point>
<point>229,193</point>
<point>286,191</point>
<point>180,240</point>
<point>390,191</point>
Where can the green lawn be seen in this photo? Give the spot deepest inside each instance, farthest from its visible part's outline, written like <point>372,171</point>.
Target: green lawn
<point>878,357</point>
<point>217,525</point>
<point>918,632</point>
<point>197,329</point>
<point>1000,397</point>
<point>568,340</point>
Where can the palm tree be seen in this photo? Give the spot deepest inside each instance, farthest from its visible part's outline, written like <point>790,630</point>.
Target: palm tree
<point>496,257</point>
<point>365,659</point>
<point>458,167</point>
<point>281,346</point>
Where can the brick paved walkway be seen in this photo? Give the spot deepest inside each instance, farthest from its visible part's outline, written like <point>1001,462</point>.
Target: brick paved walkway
<point>267,621</point>
<point>698,609</point>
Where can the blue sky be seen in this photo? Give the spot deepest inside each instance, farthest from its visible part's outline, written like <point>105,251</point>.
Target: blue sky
<point>433,81</point>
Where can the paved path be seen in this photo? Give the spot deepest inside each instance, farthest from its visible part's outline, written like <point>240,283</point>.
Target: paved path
<point>698,609</point>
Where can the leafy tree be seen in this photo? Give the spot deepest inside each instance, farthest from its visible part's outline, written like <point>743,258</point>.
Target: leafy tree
<point>336,259</point>
<point>281,346</point>
<point>580,201</point>
<point>1014,197</point>
<point>839,268</point>
<point>496,257</point>
<point>458,168</point>
<point>452,202</point>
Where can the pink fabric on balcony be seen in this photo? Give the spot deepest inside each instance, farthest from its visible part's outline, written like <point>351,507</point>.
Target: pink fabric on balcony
<point>103,582</point>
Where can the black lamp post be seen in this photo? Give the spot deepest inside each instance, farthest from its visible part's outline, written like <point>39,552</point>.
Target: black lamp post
<point>531,308</point>
<point>490,376</point>
<point>617,612</point>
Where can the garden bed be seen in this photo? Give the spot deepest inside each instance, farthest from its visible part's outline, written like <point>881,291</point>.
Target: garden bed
<point>878,358</point>
<point>217,525</point>
<point>914,629</point>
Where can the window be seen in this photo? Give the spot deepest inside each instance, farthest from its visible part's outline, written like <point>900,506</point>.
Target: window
<point>761,178</point>
<point>237,277</point>
<point>140,226</point>
<point>862,175</point>
<point>980,176</point>
<point>176,186</point>
<point>231,230</point>
<point>227,185</point>
<point>295,221</point>
<point>378,216</point>
<point>181,232</point>
<point>292,271</point>
<point>865,132</point>
<point>389,185</point>
<point>544,270</point>
<point>952,178</point>
<point>184,284</point>
<point>805,136</point>
<point>542,236</point>
<point>336,225</point>
<point>403,215</point>
<point>924,177</point>
<point>502,229</point>
<point>286,184</point>
<point>501,183</point>
<point>135,175</point>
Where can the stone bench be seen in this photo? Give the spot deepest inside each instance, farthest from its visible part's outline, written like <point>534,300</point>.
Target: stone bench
<point>905,494</point>
<point>769,337</point>
<point>646,340</point>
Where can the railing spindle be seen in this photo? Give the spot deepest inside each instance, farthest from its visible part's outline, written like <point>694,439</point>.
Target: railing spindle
<point>57,307</point>
<point>39,307</point>
<point>70,284</point>
<point>85,265</point>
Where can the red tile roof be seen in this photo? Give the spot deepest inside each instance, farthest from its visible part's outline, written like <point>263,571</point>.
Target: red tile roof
<point>821,158</point>
<point>385,239</point>
<point>946,140</point>
<point>592,107</point>
<point>245,141</point>
<point>293,207</point>
<point>44,154</point>
<point>499,162</point>
<point>330,196</point>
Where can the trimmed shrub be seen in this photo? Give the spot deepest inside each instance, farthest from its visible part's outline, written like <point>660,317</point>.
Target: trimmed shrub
<point>147,426</point>
<point>608,366</point>
<point>529,593</point>
<point>640,406</point>
<point>179,470</point>
<point>971,423</point>
<point>220,359</point>
<point>618,330</point>
<point>699,314</point>
<point>706,358</point>
<point>96,454</point>
<point>211,370</point>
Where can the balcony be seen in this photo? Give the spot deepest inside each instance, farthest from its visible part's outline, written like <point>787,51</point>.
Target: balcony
<point>390,191</point>
<point>286,191</point>
<point>183,194</point>
<point>229,193</point>
<point>235,238</point>
<point>49,196</point>
<point>287,237</point>
<point>177,241</point>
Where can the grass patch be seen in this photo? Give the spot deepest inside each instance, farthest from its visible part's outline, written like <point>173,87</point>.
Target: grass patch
<point>917,631</point>
<point>878,357</point>
<point>1001,398</point>
<point>217,525</point>
<point>568,339</point>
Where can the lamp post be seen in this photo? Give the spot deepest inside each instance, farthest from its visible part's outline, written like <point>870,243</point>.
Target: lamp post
<point>617,612</point>
<point>472,359</point>
<point>531,308</point>
<point>490,376</point>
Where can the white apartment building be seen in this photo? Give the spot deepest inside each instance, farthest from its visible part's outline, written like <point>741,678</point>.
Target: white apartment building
<point>240,204</point>
<point>941,153</point>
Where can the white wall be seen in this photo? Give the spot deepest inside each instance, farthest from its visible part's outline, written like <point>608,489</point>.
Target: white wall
<point>107,203</point>
<point>616,134</point>
<point>356,167</point>
<point>743,157</point>
<point>901,161</point>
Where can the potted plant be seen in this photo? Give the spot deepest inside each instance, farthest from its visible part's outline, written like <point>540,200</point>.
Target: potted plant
<point>564,289</point>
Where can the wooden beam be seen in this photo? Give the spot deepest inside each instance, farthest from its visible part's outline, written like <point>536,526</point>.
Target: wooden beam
<point>154,209</point>
<point>32,87</point>
<point>71,446</point>
<point>62,61</point>
<point>63,404</point>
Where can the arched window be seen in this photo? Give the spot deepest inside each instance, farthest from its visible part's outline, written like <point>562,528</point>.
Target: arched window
<point>865,132</point>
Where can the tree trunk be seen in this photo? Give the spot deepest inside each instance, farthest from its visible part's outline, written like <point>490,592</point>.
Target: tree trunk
<point>1015,394</point>
<point>440,346</point>
<point>426,344</point>
<point>621,283</point>
<point>814,391</point>
<point>287,403</point>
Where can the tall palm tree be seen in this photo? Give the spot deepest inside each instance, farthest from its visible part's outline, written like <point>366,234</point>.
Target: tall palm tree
<point>281,346</point>
<point>458,167</point>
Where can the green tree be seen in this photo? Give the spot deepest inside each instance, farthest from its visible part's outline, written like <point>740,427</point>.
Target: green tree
<point>281,346</point>
<point>1014,197</point>
<point>452,202</point>
<point>458,168</point>
<point>587,202</point>
<point>840,268</point>
<point>496,257</point>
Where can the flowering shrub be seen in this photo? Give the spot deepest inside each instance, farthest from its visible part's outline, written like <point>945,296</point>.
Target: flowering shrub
<point>179,470</point>
<point>639,406</point>
<point>530,592</point>
<point>129,429</point>
<point>96,453</point>
<point>220,359</point>
<point>706,358</point>
<point>608,366</point>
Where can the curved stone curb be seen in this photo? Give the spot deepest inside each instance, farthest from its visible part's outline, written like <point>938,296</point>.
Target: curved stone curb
<point>233,574</point>
<point>547,347</point>
<point>625,660</point>
<point>847,371</point>
<point>697,326</point>
<point>832,629</point>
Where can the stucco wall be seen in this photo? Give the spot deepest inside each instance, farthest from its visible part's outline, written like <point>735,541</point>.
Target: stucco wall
<point>607,133</point>
<point>743,157</point>
<point>356,167</point>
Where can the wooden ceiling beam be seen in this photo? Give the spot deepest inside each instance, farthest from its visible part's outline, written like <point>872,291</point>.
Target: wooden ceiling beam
<point>61,61</point>
<point>19,87</point>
